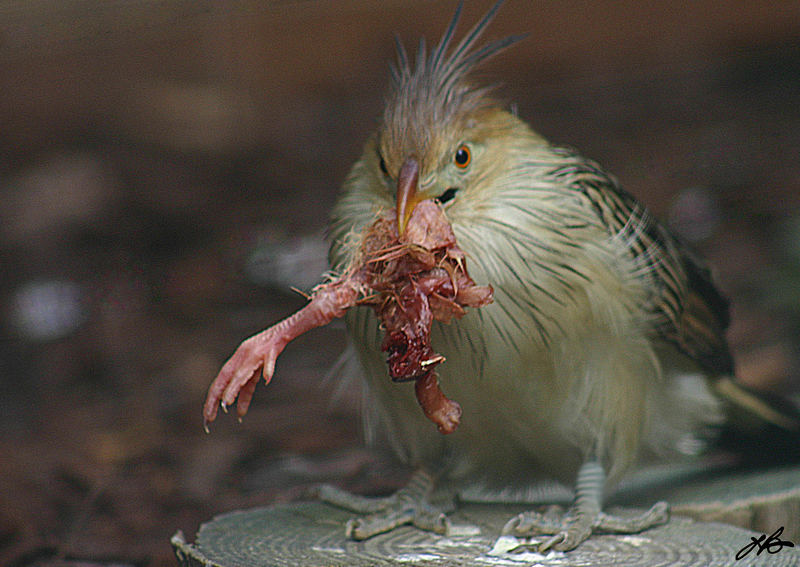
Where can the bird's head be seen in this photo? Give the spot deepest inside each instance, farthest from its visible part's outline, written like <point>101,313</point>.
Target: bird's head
<point>438,132</point>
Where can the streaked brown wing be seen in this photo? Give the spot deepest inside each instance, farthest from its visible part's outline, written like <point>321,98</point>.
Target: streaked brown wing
<point>688,310</point>
<point>699,327</point>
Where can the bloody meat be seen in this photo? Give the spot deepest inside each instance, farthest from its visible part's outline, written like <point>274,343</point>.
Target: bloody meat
<point>409,280</point>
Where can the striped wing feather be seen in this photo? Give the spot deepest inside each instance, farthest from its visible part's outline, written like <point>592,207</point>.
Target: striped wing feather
<point>688,310</point>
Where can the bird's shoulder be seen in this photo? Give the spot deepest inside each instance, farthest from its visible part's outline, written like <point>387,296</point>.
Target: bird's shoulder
<point>688,310</point>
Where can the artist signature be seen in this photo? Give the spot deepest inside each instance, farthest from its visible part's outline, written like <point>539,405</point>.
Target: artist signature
<point>772,544</point>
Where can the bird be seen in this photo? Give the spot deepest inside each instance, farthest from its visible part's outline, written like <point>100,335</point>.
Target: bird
<point>604,345</point>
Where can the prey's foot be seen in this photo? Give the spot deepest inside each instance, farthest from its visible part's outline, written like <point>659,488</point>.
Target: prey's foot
<point>408,506</point>
<point>569,530</point>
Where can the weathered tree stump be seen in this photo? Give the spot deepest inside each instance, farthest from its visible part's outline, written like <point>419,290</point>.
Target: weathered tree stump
<point>758,500</point>
<point>312,533</point>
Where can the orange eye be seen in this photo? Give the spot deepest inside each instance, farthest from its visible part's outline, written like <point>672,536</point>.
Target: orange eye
<point>462,157</point>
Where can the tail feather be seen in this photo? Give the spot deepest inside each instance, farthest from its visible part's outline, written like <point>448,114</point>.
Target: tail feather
<point>763,429</point>
<point>752,407</point>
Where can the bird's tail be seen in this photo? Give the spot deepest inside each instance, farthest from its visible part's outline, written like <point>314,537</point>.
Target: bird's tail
<point>760,424</point>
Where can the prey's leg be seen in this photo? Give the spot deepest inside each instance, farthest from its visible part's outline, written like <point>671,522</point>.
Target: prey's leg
<point>409,505</point>
<point>584,518</point>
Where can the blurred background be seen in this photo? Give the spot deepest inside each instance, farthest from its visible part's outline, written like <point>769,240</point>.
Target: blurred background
<point>166,171</point>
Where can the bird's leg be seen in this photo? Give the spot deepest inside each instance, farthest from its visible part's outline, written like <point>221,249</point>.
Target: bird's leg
<point>409,505</point>
<point>584,518</point>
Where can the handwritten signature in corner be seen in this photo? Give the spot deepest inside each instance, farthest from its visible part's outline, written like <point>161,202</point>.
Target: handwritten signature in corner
<point>772,544</point>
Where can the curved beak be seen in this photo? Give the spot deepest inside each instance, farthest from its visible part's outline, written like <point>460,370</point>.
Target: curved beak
<point>407,192</point>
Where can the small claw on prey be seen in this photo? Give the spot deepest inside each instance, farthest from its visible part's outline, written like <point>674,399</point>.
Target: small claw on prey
<point>205,427</point>
<point>224,406</point>
<point>268,370</point>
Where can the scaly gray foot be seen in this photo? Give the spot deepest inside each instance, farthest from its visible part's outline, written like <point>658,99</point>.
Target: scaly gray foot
<point>409,505</point>
<point>573,528</point>
<point>584,518</point>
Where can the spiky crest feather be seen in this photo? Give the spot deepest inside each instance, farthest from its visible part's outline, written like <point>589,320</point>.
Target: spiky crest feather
<point>436,90</point>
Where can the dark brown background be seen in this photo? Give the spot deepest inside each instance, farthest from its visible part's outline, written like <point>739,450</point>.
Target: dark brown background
<point>150,150</point>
